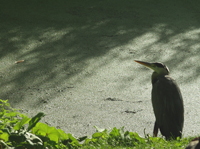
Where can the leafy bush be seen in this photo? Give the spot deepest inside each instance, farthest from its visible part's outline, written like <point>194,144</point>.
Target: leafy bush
<point>116,138</point>
<point>19,131</point>
<point>15,133</point>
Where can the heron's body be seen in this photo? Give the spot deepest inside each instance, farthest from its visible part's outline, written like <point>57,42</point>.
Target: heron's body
<point>167,102</point>
<point>168,107</point>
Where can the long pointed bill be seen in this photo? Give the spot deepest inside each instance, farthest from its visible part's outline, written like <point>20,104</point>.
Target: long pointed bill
<point>149,65</point>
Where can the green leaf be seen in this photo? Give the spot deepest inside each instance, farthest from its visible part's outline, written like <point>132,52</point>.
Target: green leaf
<point>71,137</point>
<point>97,135</point>
<point>19,125</point>
<point>13,121</point>
<point>4,136</point>
<point>63,135</point>
<point>73,140</point>
<point>11,114</point>
<point>114,132</point>
<point>40,129</point>
<point>140,139</point>
<point>87,141</point>
<point>35,120</point>
<point>53,134</point>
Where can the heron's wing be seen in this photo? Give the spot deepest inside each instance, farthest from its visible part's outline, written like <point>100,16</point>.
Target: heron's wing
<point>168,106</point>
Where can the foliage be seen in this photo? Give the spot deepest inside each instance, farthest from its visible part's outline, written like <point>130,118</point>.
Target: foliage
<point>118,138</point>
<point>19,131</point>
<point>15,133</point>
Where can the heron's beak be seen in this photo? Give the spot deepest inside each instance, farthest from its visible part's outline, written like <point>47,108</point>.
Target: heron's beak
<point>149,65</point>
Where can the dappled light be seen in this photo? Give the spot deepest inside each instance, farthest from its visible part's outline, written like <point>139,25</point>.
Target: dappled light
<point>78,53</point>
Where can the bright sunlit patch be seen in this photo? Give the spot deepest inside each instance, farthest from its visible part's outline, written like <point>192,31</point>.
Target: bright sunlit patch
<point>54,35</point>
<point>147,39</point>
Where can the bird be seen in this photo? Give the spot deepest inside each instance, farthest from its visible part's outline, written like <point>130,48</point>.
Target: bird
<point>167,102</point>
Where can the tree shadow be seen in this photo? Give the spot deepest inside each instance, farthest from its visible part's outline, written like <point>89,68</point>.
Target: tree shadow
<point>60,40</point>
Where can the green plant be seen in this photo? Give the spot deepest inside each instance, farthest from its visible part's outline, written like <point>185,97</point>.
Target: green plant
<point>14,131</point>
<point>19,131</point>
<point>117,137</point>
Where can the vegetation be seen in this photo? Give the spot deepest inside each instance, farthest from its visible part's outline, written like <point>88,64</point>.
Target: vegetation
<point>19,131</point>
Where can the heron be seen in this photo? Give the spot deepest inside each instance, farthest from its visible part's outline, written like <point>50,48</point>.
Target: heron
<point>167,102</point>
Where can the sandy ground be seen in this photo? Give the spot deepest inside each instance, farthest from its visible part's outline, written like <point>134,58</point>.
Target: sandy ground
<point>78,60</point>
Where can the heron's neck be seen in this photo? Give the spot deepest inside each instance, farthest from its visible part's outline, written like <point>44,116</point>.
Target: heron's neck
<point>155,76</point>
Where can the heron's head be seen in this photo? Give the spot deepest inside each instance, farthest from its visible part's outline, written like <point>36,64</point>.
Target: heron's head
<point>159,68</point>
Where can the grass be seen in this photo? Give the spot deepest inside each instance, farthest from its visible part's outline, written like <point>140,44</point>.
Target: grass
<point>19,131</point>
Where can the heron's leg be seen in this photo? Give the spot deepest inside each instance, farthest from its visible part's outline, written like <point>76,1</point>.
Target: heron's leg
<point>155,130</point>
